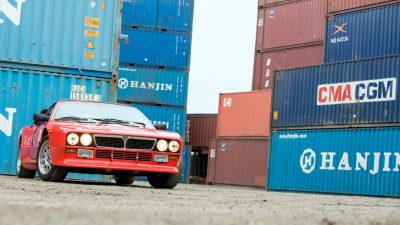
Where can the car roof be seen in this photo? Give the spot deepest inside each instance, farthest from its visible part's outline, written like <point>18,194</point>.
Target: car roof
<point>110,103</point>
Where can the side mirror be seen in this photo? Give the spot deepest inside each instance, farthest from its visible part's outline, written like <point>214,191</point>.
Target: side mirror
<point>40,118</point>
<point>161,126</point>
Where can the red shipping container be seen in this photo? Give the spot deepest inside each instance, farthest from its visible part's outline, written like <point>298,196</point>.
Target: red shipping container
<point>260,29</point>
<point>270,2</point>
<point>200,129</point>
<point>239,161</point>
<point>342,5</point>
<point>211,162</point>
<point>257,73</point>
<point>267,63</point>
<point>261,2</point>
<point>294,23</point>
<point>244,114</point>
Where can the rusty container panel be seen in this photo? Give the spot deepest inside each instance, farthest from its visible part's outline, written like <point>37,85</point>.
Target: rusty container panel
<point>271,2</point>
<point>294,23</point>
<point>261,2</point>
<point>241,161</point>
<point>211,162</point>
<point>342,5</point>
<point>244,114</point>
<point>260,30</point>
<point>200,129</point>
<point>287,59</point>
<point>257,73</point>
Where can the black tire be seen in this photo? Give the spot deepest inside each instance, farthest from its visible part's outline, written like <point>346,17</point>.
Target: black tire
<point>165,180</point>
<point>124,179</point>
<point>21,171</point>
<point>52,173</point>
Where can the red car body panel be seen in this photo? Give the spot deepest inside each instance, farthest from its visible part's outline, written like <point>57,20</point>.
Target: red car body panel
<point>57,131</point>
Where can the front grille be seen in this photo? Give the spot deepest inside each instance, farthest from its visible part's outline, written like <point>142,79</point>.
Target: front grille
<point>125,142</point>
<point>139,144</point>
<point>124,155</point>
<point>109,142</point>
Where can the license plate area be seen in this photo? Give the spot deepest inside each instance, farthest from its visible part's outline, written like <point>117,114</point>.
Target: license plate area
<point>161,158</point>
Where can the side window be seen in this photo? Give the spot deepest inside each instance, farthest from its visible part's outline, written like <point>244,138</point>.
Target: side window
<point>50,110</point>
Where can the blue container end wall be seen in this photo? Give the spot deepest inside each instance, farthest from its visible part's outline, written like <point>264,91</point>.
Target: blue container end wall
<point>27,92</point>
<point>354,93</point>
<point>155,48</point>
<point>363,34</point>
<point>159,14</point>
<point>174,118</point>
<point>154,86</point>
<point>348,161</point>
<point>79,35</point>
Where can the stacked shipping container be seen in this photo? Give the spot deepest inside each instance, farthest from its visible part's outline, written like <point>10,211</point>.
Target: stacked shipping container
<point>200,130</point>
<point>335,126</point>
<point>45,58</point>
<point>239,154</point>
<point>286,38</point>
<point>155,59</point>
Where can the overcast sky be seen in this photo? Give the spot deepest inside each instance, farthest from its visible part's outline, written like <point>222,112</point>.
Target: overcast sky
<point>222,51</point>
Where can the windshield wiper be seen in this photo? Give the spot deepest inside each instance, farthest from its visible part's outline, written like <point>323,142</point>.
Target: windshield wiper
<point>72,118</point>
<point>120,122</point>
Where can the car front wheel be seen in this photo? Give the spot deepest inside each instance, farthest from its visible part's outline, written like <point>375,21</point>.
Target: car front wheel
<point>124,179</point>
<point>164,180</point>
<point>46,170</point>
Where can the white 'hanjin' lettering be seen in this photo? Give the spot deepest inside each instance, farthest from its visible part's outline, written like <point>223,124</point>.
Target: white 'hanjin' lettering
<point>332,161</point>
<point>123,84</point>
<point>12,13</point>
<point>6,123</point>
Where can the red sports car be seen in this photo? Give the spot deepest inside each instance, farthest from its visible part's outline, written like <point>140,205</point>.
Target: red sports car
<point>99,138</point>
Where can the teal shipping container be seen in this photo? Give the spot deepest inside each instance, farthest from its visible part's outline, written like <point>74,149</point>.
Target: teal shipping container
<point>348,161</point>
<point>27,92</point>
<point>80,36</point>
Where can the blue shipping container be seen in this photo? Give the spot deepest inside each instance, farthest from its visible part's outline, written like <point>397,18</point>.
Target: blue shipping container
<point>349,161</point>
<point>352,93</point>
<point>174,118</point>
<point>363,34</point>
<point>81,35</point>
<point>161,14</point>
<point>155,48</point>
<point>26,92</point>
<point>156,86</point>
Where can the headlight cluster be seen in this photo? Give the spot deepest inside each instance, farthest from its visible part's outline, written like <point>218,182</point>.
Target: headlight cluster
<point>83,139</point>
<point>163,145</point>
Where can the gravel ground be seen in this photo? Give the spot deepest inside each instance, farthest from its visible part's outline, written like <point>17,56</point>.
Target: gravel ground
<point>25,201</point>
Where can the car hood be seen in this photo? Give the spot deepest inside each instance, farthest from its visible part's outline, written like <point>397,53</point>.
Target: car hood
<point>114,129</point>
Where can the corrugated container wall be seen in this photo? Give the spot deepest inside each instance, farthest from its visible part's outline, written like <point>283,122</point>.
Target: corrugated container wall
<point>352,93</point>
<point>351,161</point>
<point>260,30</point>
<point>79,35</point>
<point>155,48</point>
<point>200,129</point>
<point>342,5</point>
<point>241,161</point>
<point>211,162</point>
<point>17,107</point>
<point>363,34</point>
<point>174,118</point>
<point>159,14</point>
<point>272,61</point>
<point>155,86</point>
<point>244,114</point>
<point>294,23</point>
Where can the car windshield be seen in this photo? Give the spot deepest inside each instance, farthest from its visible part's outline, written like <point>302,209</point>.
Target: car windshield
<point>101,112</point>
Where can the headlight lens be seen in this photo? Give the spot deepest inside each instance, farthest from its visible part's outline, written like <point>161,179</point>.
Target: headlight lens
<point>162,145</point>
<point>86,139</point>
<point>72,139</point>
<point>174,146</point>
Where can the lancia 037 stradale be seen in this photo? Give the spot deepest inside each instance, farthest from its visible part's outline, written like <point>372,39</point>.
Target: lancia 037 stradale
<point>98,138</point>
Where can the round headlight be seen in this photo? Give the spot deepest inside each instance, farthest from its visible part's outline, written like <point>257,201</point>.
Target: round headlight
<point>174,146</point>
<point>86,139</point>
<point>162,145</point>
<point>72,139</point>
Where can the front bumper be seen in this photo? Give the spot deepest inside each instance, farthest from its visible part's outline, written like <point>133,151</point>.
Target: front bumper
<point>142,163</point>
